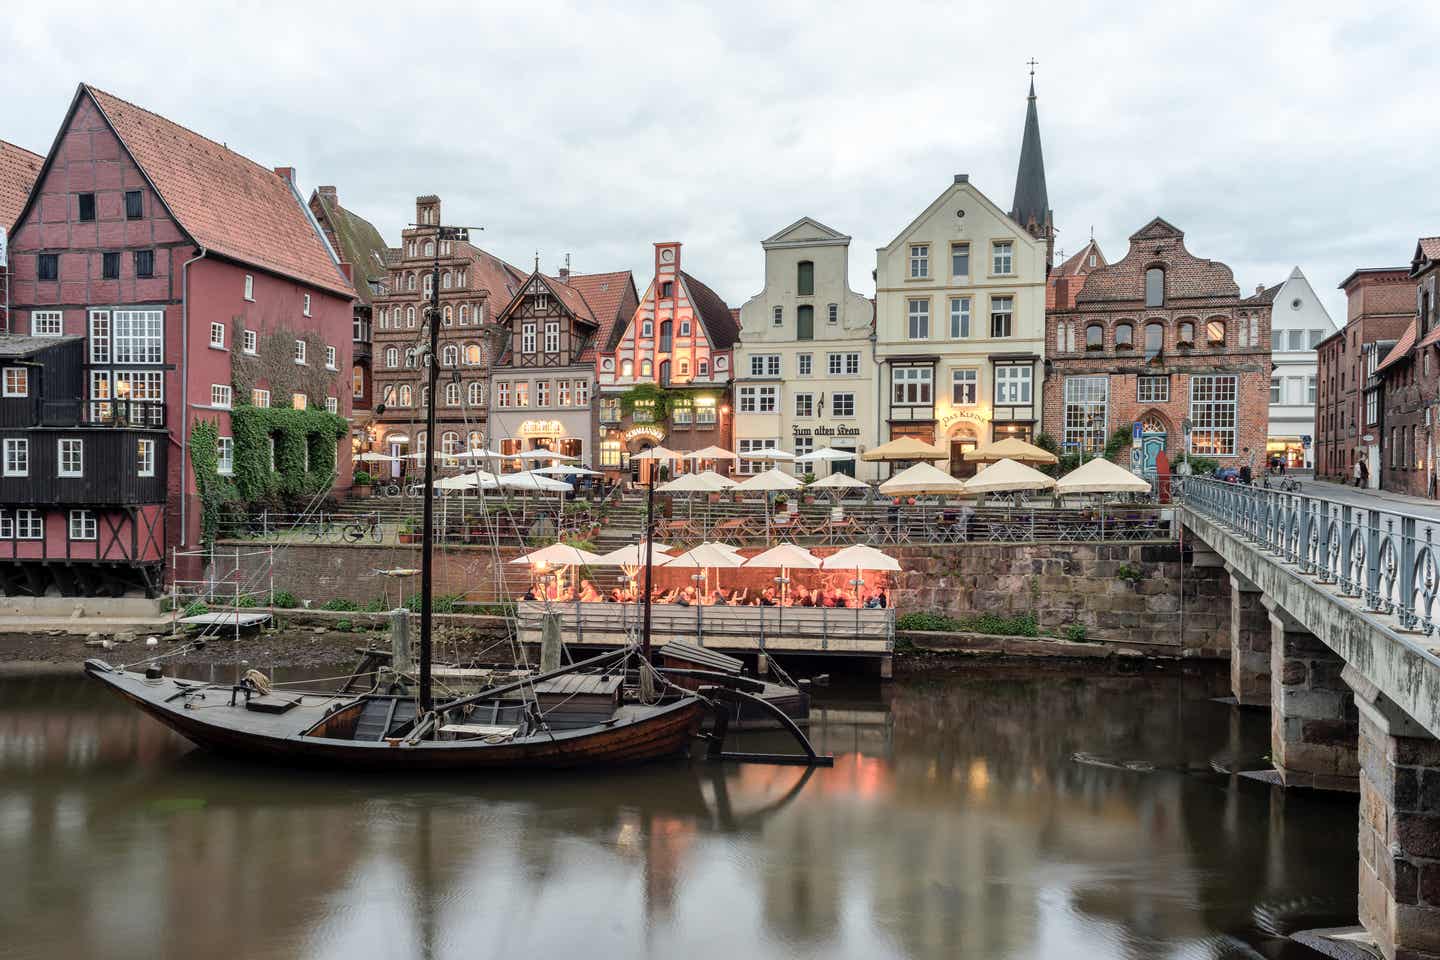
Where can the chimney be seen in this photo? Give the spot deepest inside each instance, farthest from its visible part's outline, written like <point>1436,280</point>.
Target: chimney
<point>348,270</point>
<point>1259,289</point>
<point>962,178</point>
<point>329,195</point>
<point>565,270</point>
<point>286,173</point>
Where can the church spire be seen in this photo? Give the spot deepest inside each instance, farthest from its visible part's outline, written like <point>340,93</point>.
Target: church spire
<point>1031,208</point>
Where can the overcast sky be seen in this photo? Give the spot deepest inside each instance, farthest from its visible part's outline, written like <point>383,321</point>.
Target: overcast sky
<point>1272,134</point>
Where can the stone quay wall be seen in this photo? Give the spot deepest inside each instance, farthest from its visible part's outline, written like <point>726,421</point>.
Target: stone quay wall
<point>1062,584</point>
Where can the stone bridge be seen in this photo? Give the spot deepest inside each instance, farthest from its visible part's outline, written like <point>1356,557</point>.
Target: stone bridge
<point>1333,628</point>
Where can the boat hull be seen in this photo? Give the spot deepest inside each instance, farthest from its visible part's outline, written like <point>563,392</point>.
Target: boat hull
<point>652,734</point>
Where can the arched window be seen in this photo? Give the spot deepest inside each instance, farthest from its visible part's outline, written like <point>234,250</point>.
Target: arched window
<point>475,440</point>
<point>1124,336</point>
<point>445,280</point>
<point>665,339</point>
<point>1154,339</point>
<point>452,394</point>
<point>448,316</point>
<point>1187,333</point>
<point>1215,332</point>
<point>388,397</point>
<point>424,397</point>
<point>472,354</point>
<point>460,279</point>
<point>429,248</point>
<point>805,279</point>
<point>646,368</point>
<point>1155,287</point>
<point>464,314</point>
<point>450,442</point>
<point>410,357</point>
<point>409,316</point>
<point>422,440</point>
<point>1094,337</point>
<point>450,356</point>
<point>392,357</point>
<point>627,368</point>
<point>407,396</point>
<point>475,394</point>
<point>429,283</point>
<point>410,283</point>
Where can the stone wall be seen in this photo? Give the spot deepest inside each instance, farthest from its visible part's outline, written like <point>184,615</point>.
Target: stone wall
<point>1066,584</point>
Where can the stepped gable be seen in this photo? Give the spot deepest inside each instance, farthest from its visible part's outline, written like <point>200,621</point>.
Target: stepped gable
<point>1189,279</point>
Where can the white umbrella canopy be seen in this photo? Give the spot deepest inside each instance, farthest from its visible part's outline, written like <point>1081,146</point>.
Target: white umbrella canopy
<point>720,480</point>
<point>772,479</point>
<point>695,483</point>
<point>466,481</point>
<point>825,453</point>
<point>479,454</point>
<point>371,457</point>
<point>860,556</point>
<point>712,453</point>
<point>633,555</point>
<point>920,479</point>
<point>559,555</point>
<point>1007,476</point>
<point>542,454</point>
<point>1012,448</point>
<point>1101,476</point>
<point>785,555</point>
<point>906,448</point>
<point>767,453</point>
<point>529,480</point>
<point>839,481</point>
<point>708,554</point>
<point>657,453</point>
<point>566,470</point>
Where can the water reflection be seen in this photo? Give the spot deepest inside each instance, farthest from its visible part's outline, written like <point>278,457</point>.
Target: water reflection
<point>956,822</point>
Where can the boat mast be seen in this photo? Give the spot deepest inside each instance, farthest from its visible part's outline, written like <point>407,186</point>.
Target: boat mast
<point>427,541</point>
<point>649,565</point>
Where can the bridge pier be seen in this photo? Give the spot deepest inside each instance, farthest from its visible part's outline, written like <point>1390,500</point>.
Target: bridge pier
<point>1249,642</point>
<point>1399,827</point>
<point>1314,725</point>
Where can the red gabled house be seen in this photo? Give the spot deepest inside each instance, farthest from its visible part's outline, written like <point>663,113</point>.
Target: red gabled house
<point>197,280</point>
<point>18,169</point>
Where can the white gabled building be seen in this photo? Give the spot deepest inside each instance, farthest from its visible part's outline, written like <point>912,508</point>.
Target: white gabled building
<point>805,360</point>
<point>1298,321</point>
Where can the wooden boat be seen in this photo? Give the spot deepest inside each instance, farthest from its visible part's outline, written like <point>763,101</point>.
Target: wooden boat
<point>377,733</point>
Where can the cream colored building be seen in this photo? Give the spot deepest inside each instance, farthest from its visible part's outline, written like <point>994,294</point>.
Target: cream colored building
<point>960,326</point>
<point>805,363</point>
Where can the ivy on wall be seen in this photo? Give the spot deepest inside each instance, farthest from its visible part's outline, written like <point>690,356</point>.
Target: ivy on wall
<point>659,398</point>
<point>304,452</point>
<point>214,490</point>
<point>273,362</point>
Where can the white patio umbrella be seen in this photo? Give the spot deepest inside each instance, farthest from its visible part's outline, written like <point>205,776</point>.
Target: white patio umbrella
<point>785,556</point>
<point>708,556</point>
<point>466,481</point>
<point>566,470</point>
<point>657,453</point>
<point>372,457</point>
<point>858,557</point>
<point>540,453</point>
<point>633,554</point>
<point>767,453</point>
<point>839,481</point>
<point>530,480</point>
<point>825,453</point>
<point>771,480</point>
<point>707,482</point>
<point>922,478</point>
<point>479,454</point>
<point>1007,476</point>
<point>712,453</point>
<point>1101,476</point>
<point>557,555</point>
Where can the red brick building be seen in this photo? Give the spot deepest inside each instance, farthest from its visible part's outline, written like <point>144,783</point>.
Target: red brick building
<point>1408,381</point>
<point>18,169</point>
<point>474,287</point>
<point>1065,282</point>
<point>1380,304</point>
<point>196,278</point>
<point>363,250</point>
<point>680,339</point>
<point>1163,339</point>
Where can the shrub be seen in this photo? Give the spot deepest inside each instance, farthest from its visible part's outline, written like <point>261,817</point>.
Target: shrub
<point>378,605</point>
<point>926,621</point>
<point>988,623</point>
<point>363,478</point>
<point>1199,466</point>
<point>285,600</point>
<point>344,626</point>
<point>441,604</point>
<point>1129,573</point>
<point>1076,633</point>
<point>246,601</point>
<point>339,603</point>
<point>195,608</point>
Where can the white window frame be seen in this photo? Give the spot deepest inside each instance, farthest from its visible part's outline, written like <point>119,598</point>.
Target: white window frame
<point>137,336</point>
<point>332,404</point>
<point>1008,313</point>
<point>225,456</point>
<point>221,396</point>
<point>1002,258</point>
<point>759,398</point>
<point>832,313</point>
<point>145,458</point>
<point>919,261</point>
<point>249,288</point>
<point>250,342</point>
<point>1083,398</point>
<point>330,357</point>
<point>542,393</point>
<point>777,317</point>
<point>842,404</point>
<point>552,336</point>
<point>17,457</point>
<point>804,405</point>
<point>1206,414</point>
<point>917,318</point>
<point>1014,385</point>
<point>804,364</point>
<point>745,465</point>
<point>960,247</point>
<point>17,382</point>
<point>47,323</point>
<point>29,525</point>
<point>527,338</point>
<point>217,335</point>
<point>959,318</point>
<point>960,379</point>
<point>69,457</point>
<point>7,526</point>
<point>82,525</point>
<point>765,365</point>
<point>1152,395</point>
<point>582,393</point>
<point>522,393</point>
<point>912,386</point>
<point>259,398</point>
<point>306,308</point>
<point>300,352</point>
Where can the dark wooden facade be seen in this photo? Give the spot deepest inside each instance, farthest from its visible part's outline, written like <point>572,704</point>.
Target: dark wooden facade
<point>93,526</point>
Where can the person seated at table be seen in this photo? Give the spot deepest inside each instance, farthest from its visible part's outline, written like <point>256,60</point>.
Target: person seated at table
<point>530,593</point>
<point>588,593</point>
<point>873,602</point>
<point>767,598</point>
<point>615,596</point>
<point>717,598</point>
<point>669,596</point>
<point>687,597</point>
<point>740,597</point>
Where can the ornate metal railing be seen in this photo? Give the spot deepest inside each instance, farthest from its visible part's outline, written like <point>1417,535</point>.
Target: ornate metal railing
<point>1386,559</point>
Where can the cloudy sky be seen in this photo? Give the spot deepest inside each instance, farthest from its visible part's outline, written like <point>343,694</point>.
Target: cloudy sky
<point>1273,134</point>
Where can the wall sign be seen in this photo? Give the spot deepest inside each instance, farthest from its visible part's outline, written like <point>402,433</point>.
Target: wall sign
<point>645,433</point>
<point>826,431</point>
<point>542,426</point>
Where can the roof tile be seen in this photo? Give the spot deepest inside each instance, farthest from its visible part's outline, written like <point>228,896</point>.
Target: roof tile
<point>18,170</point>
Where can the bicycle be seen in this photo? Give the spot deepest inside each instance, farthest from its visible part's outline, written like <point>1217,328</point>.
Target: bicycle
<point>356,530</point>
<point>321,527</point>
<point>389,490</point>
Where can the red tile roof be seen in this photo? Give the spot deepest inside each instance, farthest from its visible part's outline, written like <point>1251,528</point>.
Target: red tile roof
<point>1430,246</point>
<point>611,297</point>
<point>1432,338</point>
<point>723,327</point>
<point>227,203</point>
<point>1401,348</point>
<point>18,170</point>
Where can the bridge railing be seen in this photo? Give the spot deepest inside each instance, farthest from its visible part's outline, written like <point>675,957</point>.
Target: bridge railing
<point>1385,558</point>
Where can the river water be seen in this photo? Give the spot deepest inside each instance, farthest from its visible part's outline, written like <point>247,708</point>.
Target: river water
<point>984,812</point>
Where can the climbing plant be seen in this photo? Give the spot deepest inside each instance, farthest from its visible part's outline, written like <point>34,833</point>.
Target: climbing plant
<point>658,397</point>
<point>214,490</point>
<point>304,461</point>
<point>1118,443</point>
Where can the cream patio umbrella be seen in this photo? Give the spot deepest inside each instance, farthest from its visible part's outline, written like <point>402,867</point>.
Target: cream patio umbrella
<point>1008,476</point>
<point>1011,448</point>
<point>839,482</point>
<point>905,448</point>
<point>785,556</point>
<point>922,478</point>
<point>557,555</point>
<point>705,557</point>
<point>860,557</point>
<point>692,483</point>
<point>769,481</point>
<point>372,457</point>
<point>1101,476</point>
<point>773,454</point>
<point>631,558</point>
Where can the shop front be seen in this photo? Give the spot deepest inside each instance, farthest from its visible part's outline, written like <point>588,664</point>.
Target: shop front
<point>959,433</point>
<point>1290,450</point>
<point>564,434</point>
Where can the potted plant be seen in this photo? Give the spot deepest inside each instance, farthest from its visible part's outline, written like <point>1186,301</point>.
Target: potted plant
<point>780,502</point>
<point>409,531</point>
<point>362,483</point>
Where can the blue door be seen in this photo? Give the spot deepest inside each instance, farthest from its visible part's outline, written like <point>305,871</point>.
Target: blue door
<point>1151,444</point>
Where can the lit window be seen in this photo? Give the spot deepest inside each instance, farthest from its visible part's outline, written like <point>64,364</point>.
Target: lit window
<point>300,401</point>
<point>259,398</point>
<point>522,393</point>
<point>582,393</point>
<point>17,382</point>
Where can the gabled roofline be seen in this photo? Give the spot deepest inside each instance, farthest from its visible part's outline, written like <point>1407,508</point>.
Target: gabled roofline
<point>835,238</point>
<point>961,180</point>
